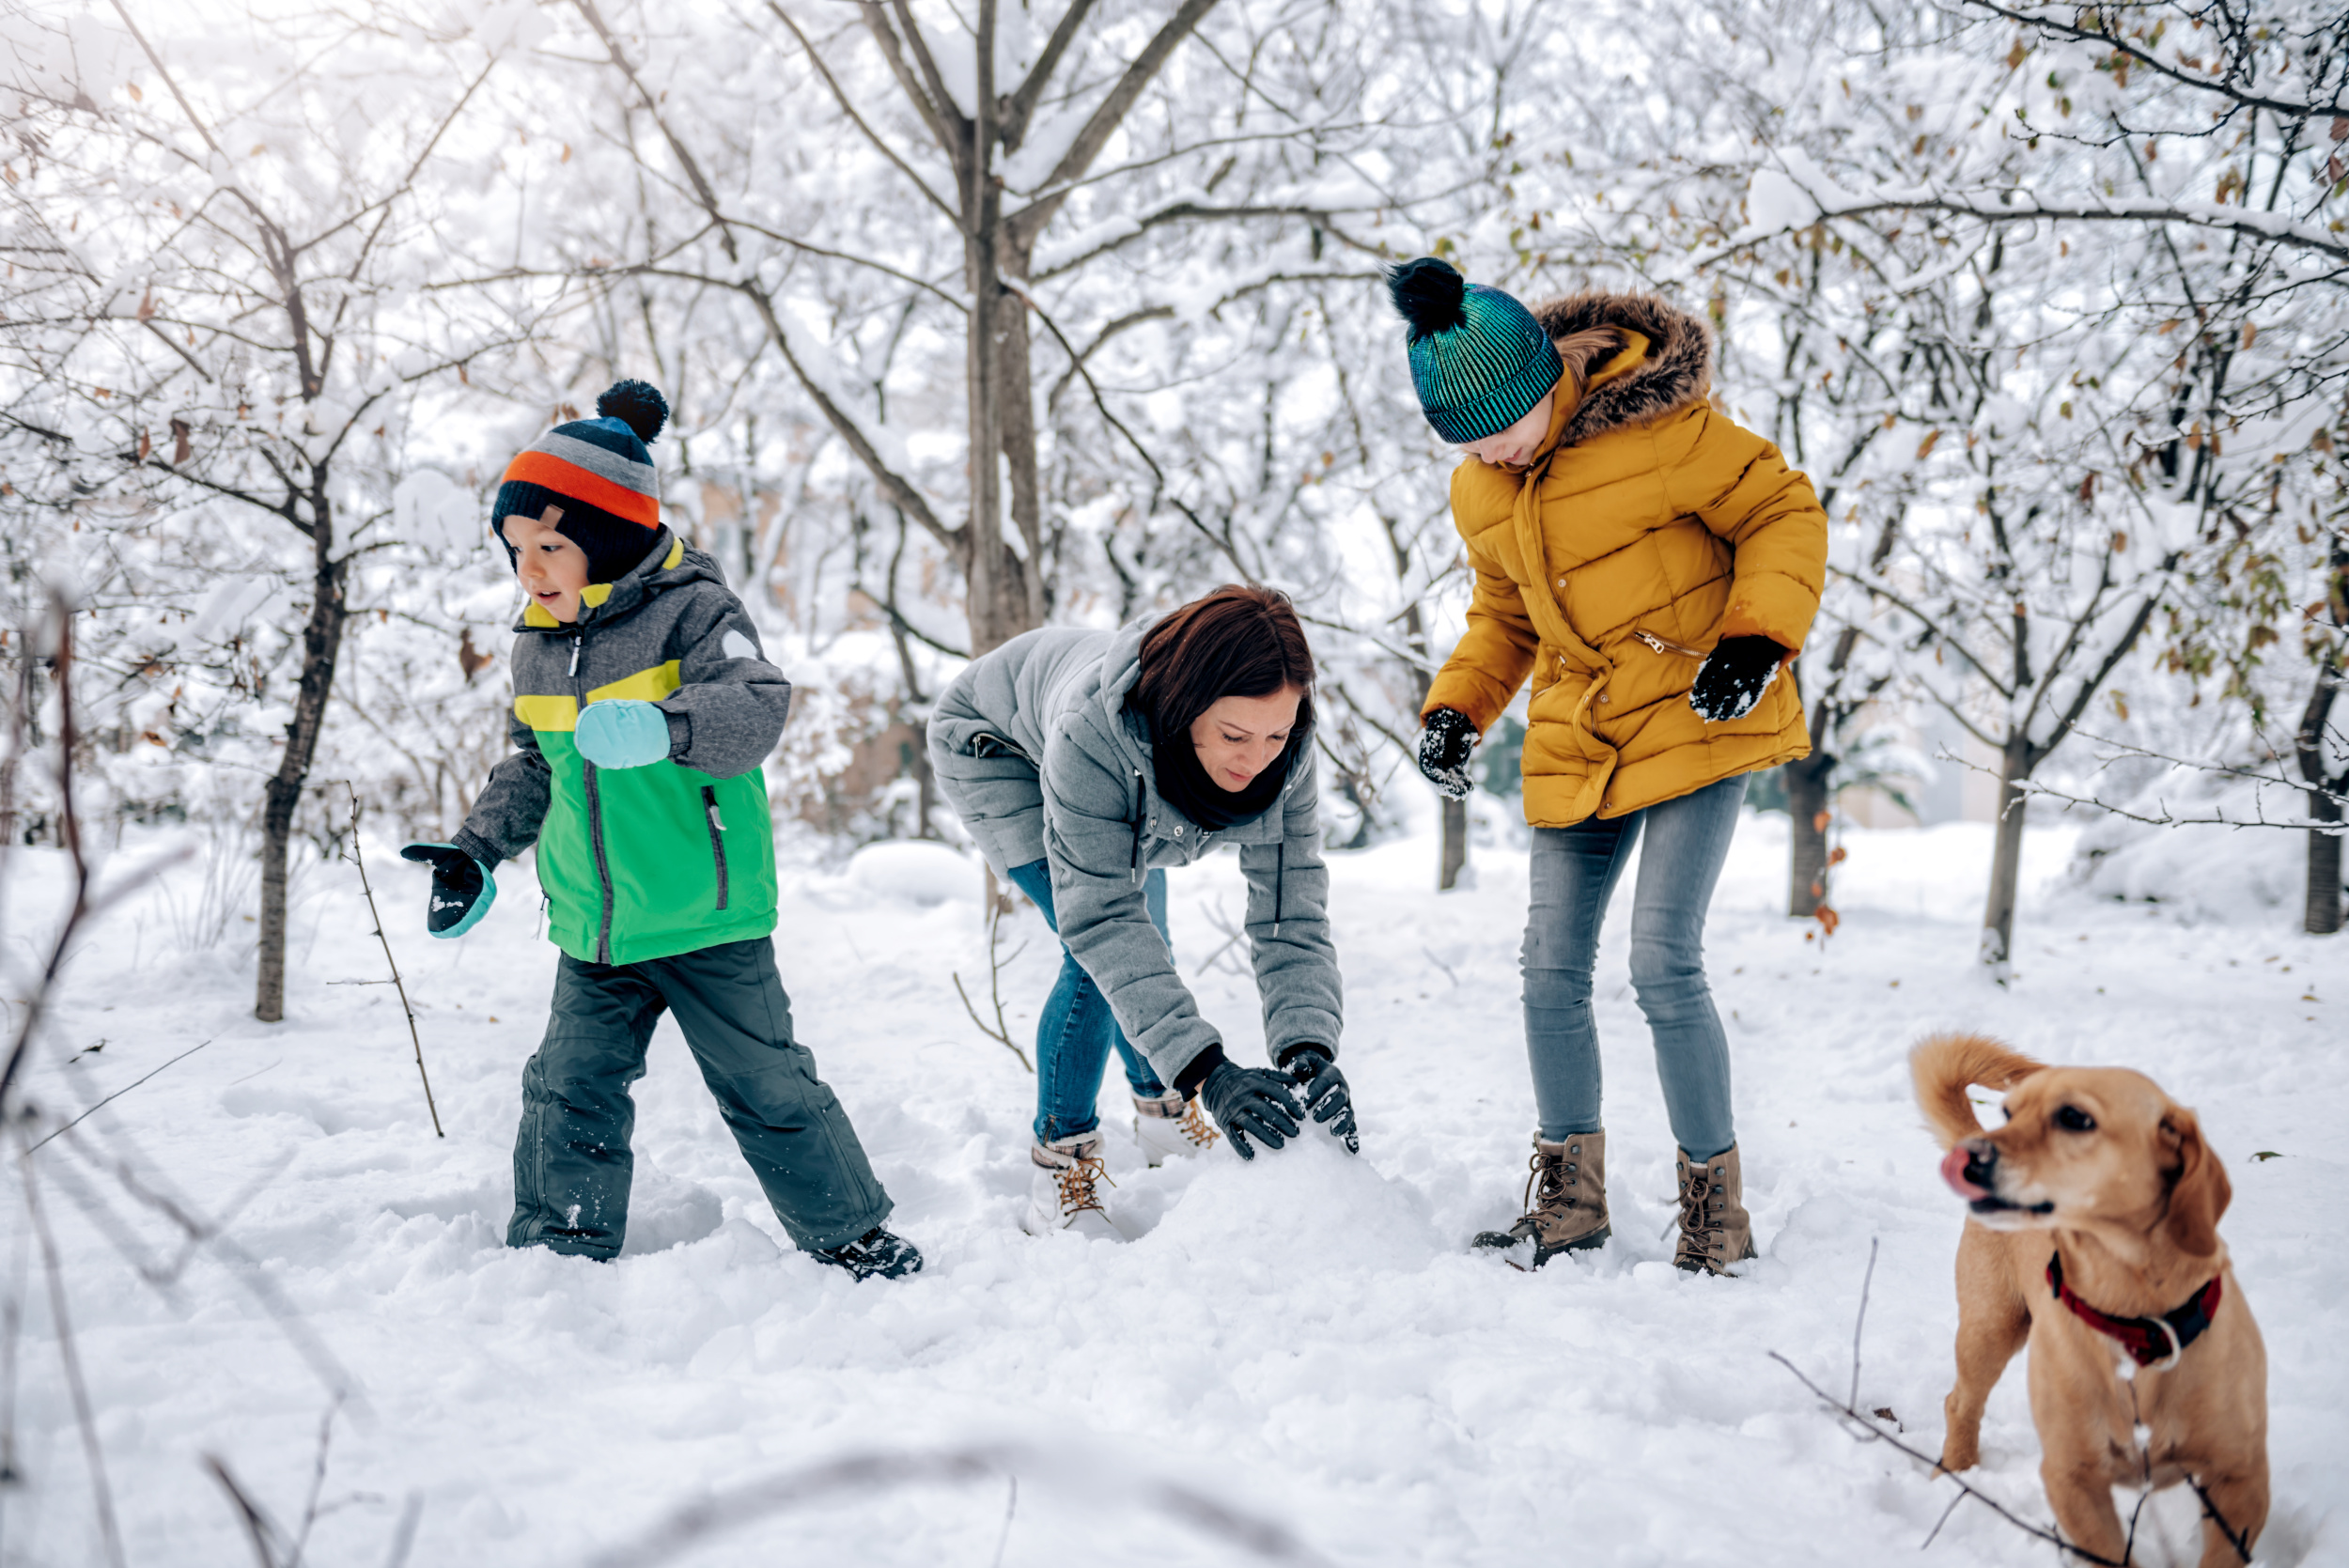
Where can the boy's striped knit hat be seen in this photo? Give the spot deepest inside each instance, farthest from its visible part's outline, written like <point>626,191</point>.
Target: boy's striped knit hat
<point>599,473</point>
<point>1479,360</point>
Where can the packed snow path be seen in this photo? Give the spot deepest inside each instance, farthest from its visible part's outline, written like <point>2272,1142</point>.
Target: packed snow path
<point>1305,1338</point>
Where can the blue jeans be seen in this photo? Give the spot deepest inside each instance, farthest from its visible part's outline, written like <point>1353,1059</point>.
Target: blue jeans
<point>1077,1029</point>
<point>1574,873</point>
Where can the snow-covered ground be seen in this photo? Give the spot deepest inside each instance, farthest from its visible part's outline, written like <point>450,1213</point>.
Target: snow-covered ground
<point>1305,1338</point>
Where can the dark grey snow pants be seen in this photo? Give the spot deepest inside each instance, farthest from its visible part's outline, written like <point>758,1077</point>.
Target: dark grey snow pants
<point>572,1159</point>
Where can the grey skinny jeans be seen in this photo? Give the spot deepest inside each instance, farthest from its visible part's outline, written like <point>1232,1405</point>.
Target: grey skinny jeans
<point>1574,873</point>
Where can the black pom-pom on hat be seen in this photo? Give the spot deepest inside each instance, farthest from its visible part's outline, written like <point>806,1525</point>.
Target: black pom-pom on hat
<point>1428,293</point>
<point>639,406</point>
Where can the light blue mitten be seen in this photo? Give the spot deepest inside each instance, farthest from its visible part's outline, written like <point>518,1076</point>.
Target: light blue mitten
<point>621,732</point>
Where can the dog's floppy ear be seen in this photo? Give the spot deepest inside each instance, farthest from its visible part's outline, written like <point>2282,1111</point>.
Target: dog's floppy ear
<point>2200,1192</point>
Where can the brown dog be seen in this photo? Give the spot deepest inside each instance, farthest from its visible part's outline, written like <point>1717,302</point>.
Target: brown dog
<point>2094,1237</point>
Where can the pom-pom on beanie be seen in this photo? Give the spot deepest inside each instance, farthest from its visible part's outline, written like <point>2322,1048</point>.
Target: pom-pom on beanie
<point>599,473</point>
<point>1479,360</point>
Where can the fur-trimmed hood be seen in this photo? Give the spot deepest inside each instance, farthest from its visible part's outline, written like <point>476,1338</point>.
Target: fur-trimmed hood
<point>1677,372</point>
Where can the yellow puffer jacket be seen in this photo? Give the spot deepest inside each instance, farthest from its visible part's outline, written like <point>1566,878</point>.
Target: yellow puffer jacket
<point>1647,529</point>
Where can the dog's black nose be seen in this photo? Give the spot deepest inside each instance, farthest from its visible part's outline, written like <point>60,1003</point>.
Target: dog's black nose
<point>1981,1165</point>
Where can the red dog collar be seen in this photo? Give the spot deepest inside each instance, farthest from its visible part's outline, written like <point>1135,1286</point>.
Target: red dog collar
<point>2152,1342</point>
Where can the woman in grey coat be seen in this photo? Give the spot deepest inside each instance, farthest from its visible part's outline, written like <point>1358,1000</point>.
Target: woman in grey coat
<point>1084,762</point>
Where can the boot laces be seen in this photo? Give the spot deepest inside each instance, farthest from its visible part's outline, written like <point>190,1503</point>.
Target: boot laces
<point>1076,1186</point>
<point>1195,1126</point>
<point>1700,1233</point>
<point>1549,1182</point>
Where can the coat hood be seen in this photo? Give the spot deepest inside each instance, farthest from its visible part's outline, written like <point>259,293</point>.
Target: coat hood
<point>671,563</point>
<point>1676,371</point>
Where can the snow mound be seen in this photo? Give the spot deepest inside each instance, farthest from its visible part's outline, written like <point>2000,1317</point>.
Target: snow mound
<point>926,875</point>
<point>1310,1208</point>
<point>2204,872</point>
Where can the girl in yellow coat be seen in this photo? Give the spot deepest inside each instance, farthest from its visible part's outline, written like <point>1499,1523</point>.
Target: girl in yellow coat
<point>1651,568</point>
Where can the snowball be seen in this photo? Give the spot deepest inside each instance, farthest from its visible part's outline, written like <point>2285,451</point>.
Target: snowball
<point>915,873</point>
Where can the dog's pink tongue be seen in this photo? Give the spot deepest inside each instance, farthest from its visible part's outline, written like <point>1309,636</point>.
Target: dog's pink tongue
<point>1953,1173</point>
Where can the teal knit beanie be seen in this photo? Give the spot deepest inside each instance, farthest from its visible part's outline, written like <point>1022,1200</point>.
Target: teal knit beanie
<point>1479,360</point>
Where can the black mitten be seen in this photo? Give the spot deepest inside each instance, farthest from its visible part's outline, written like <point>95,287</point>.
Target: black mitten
<point>1734,676</point>
<point>462,889</point>
<point>1325,1095</point>
<point>1250,1102</point>
<point>1444,750</point>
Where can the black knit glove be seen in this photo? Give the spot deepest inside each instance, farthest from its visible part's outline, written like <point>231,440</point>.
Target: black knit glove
<point>1325,1093</point>
<point>1444,750</point>
<point>1250,1102</point>
<point>1735,675</point>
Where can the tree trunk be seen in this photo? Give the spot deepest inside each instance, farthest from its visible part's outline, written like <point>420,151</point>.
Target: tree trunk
<point>1452,858</point>
<point>1455,859</point>
<point>2006,858</point>
<point>2322,915</point>
<point>2324,902</point>
<point>321,646</point>
<point>1807,804</point>
<point>1015,417</point>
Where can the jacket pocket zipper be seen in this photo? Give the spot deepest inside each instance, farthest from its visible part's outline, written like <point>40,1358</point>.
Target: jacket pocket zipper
<point>986,745</point>
<point>1661,647</point>
<point>717,844</point>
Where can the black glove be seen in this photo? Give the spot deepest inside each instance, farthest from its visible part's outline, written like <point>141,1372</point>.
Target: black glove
<point>463,889</point>
<point>1251,1100</point>
<point>1323,1089</point>
<point>1735,675</point>
<point>1443,751</point>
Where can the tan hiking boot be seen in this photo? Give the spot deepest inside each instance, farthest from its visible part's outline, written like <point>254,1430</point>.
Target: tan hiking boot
<point>1565,1199</point>
<point>1170,1126</point>
<point>1064,1190</point>
<point>1715,1228</point>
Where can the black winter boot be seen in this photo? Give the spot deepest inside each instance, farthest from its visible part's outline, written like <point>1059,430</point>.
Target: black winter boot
<point>876,1251</point>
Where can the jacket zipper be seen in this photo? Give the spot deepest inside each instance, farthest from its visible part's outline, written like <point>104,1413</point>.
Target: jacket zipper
<point>1140,812</point>
<point>595,824</point>
<point>1279,879</point>
<point>1661,647</point>
<point>717,844</point>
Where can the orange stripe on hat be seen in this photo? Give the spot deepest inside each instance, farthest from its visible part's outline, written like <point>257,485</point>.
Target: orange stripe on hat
<point>544,467</point>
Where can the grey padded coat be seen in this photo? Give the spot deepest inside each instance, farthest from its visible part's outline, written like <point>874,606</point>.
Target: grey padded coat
<point>1033,746</point>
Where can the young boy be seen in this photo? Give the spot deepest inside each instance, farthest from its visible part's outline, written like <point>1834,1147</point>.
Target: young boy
<point>643,709</point>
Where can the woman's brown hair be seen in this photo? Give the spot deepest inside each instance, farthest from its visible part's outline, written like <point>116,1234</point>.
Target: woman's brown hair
<point>1237,642</point>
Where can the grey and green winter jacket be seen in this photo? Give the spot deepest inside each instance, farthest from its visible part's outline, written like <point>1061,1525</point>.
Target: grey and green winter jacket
<point>1034,749</point>
<point>643,862</point>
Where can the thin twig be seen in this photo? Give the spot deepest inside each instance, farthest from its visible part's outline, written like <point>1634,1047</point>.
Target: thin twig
<point>1001,1031</point>
<point>1869,1432</point>
<point>318,1481</point>
<point>1860,1322</point>
<point>258,1527</point>
<point>1011,1506</point>
<point>115,1095</point>
<point>404,1534</point>
<point>359,858</point>
<point>84,1415</point>
<point>2239,1539</point>
<point>709,1516</point>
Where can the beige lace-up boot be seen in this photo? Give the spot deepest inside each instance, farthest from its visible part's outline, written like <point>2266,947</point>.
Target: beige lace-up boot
<point>1715,1228</point>
<point>1064,1193</point>
<point>1169,1127</point>
<point>1565,1199</point>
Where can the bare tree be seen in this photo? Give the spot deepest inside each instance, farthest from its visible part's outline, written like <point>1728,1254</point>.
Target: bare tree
<point>194,325</point>
<point>2031,341</point>
<point>1001,180</point>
